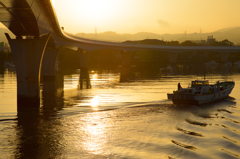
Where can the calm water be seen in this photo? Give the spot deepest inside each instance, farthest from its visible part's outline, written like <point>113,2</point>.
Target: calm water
<point>118,120</point>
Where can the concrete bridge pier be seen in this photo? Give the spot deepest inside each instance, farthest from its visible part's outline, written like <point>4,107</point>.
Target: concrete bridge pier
<point>49,64</point>
<point>27,56</point>
<point>53,83</point>
<point>172,57</point>
<point>84,80</point>
<point>52,94</point>
<point>174,68</point>
<point>224,57</point>
<point>125,69</point>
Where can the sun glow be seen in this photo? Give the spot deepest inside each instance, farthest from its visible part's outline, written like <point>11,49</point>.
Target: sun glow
<point>155,16</point>
<point>93,12</point>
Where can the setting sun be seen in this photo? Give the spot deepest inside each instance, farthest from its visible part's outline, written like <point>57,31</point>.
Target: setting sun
<point>92,13</point>
<point>96,11</point>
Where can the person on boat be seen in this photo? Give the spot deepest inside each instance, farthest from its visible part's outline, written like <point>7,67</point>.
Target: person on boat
<point>179,86</point>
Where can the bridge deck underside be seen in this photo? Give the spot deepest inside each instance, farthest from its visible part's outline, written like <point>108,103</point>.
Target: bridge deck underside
<point>18,17</point>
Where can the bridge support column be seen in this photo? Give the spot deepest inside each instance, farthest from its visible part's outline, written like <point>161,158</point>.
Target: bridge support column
<point>224,57</point>
<point>52,94</point>
<point>84,80</point>
<point>174,68</point>
<point>49,64</point>
<point>27,56</point>
<point>52,82</point>
<point>172,57</point>
<point>125,69</point>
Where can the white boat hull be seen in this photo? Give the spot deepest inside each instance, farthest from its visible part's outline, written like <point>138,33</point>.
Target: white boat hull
<point>200,99</point>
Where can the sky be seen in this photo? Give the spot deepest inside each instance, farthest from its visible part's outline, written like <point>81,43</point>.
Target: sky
<point>156,16</point>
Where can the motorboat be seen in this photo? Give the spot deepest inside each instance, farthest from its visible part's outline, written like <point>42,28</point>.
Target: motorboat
<point>201,92</point>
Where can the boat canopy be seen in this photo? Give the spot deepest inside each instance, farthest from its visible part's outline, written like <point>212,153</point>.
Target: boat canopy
<point>200,83</point>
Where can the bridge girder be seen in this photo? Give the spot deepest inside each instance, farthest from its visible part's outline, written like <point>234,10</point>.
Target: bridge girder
<point>18,17</point>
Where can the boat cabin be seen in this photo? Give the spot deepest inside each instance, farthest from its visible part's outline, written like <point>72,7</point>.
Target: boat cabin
<point>201,86</point>
<point>199,83</point>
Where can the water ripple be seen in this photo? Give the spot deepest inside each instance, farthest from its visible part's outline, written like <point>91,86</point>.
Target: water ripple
<point>231,140</point>
<point>184,145</point>
<point>230,153</point>
<point>190,132</point>
<point>233,121</point>
<point>196,123</point>
<point>228,128</point>
<point>225,110</point>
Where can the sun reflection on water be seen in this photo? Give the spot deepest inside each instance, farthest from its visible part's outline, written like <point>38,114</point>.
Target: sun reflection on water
<point>94,102</point>
<point>95,136</point>
<point>94,76</point>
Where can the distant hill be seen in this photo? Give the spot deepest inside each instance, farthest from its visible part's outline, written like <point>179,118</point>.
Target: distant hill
<point>232,34</point>
<point>231,30</point>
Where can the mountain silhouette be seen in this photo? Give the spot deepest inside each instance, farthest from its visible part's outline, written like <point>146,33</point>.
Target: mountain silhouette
<point>232,34</point>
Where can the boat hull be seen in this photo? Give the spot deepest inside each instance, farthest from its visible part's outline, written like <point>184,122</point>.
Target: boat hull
<point>200,99</point>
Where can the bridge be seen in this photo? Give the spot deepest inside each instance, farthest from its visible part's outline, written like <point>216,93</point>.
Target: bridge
<point>39,38</point>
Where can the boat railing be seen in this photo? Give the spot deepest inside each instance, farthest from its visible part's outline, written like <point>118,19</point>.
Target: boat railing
<point>227,80</point>
<point>224,84</point>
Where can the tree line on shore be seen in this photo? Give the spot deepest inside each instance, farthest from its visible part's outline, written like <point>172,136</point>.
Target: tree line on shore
<point>177,43</point>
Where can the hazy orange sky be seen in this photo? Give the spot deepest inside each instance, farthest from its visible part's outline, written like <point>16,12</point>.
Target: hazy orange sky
<point>157,16</point>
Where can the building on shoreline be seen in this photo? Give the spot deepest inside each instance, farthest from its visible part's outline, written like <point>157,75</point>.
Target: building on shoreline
<point>5,47</point>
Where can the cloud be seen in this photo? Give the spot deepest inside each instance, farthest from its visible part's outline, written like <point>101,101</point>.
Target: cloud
<point>163,23</point>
